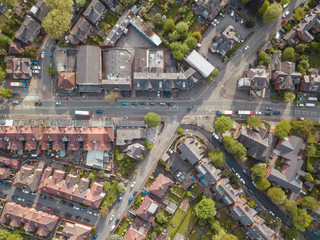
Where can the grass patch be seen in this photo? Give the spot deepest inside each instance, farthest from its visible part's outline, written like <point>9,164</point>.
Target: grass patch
<point>196,27</point>
<point>240,234</point>
<point>175,221</point>
<point>150,181</point>
<point>111,196</point>
<point>266,125</point>
<point>312,138</point>
<point>111,18</point>
<point>188,221</point>
<point>195,188</point>
<point>173,198</point>
<point>3,20</point>
<point>278,163</point>
<point>2,63</point>
<point>188,17</point>
<point>125,163</point>
<point>123,225</point>
<point>173,12</point>
<point>178,190</point>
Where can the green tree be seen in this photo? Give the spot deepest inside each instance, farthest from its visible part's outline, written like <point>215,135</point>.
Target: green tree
<point>2,74</point>
<point>215,73</point>
<point>303,66</point>
<point>191,42</point>
<point>250,22</point>
<point>128,3</point>
<point>288,97</point>
<point>106,186</point>
<point>229,237</point>
<point>6,93</point>
<point>283,129</point>
<point>57,22</point>
<point>291,206</point>
<point>225,173</point>
<point>283,2</point>
<point>292,233</point>
<point>30,52</point>
<point>235,148</point>
<point>15,236</point>
<point>91,176</point>
<point>288,54</point>
<point>205,209</point>
<point>302,128</point>
<point>277,195</point>
<point>4,233</point>
<point>180,131</point>
<point>263,184</point>
<point>174,36</point>
<point>9,2</point>
<point>316,182</point>
<point>159,20</point>
<point>161,218</point>
<point>52,70</point>
<point>112,96</point>
<point>301,219</point>
<point>272,13</point>
<point>149,145</point>
<point>81,3</point>
<point>308,177</point>
<point>254,122</point>
<point>104,212</point>
<point>263,8</point>
<point>209,79</point>
<point>121,187</point>
<point>182,27</point>
<point>259,171</point>
<point>245,1</point>
<point>310,203</point>
<point>64,5</point>
<point>299,13</point>
<point>4,42</point>
<point>264,58</point>
<point>197,35</point>
<point>169,25</point>
<point>300,48</point>
<point>152,119</point>
<point>101,173</point>
<point>217,157</point>
<point>223,124</point>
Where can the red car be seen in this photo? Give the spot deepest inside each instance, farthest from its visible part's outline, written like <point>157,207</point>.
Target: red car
<point>49,209</point>
<point>284,20</point>
<point>50,198</point>
<point>39,205</point>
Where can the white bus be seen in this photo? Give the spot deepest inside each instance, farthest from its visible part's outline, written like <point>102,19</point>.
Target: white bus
<point>83,113</point>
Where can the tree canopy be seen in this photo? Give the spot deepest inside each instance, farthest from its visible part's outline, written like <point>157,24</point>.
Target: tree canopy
<point>254,122</point>
<point>259,171</point>
<point>81,3</point>
<point>9,2</point>
<point>310,203</point>
<point>223,124</point>
<point>152,119</point>
<point>52,70</point>
<point>169,25</point>
<point>30,52</point>
<point>217,157</point>
<point>180,131</point>
<point>299,13</point>
<point>303,66</point>
<point>288,97</point>
<point>205,209</point>
<point>288,54</point>
<point>4,41</point>
<point>5,93</point>
<point>283,129</point>
<point>128,3</point>
<point>272,13</point>
<point>250,22</point>
<point>263,8</point>
<point>121,187</point>
<point>57,22</point>
<point>235,148</point>
<point>191,42</point>
<point>301,219</point>
<point>302,128</point>
<point>263,184</point>
<point>292,233</point>
<point>277,195</point>
<point>197,35</point>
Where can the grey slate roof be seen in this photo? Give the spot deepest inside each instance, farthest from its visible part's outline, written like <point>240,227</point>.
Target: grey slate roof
<point>40,10</point>
<point>95,11</point>
<point>28,31</point>
<point>225,192</point>
<point>207,173</point>
<point>244,214</point>
<point>88,70</point>
<point>285,76</point>
<point>259,231</point>
<point>224,42</point>
<point>190,151</point>
<point>80,31</point>
<point>259,143</point>
<point>209,9</point>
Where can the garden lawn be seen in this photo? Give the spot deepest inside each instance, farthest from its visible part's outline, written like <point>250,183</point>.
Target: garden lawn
<point>111,196</point>
<point>3,20</point>
<point>110,18</point>
<point>173,12</point>
<point>173,198</point>
<point>188,17</point>
<point>123,226</point>
<point>150,181</point>
<point>175,222</point>
<point>240,234</point>
<point>125,165</point>
<point>178,190</point>
<point>188,221</point>
<point>195,188</point>
<point>196,27</point>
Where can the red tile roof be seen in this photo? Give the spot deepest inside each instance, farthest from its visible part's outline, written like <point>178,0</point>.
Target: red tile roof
<point>147,209</point>
<point>69,188</point>
<point>160,186</point>
<point>67,80</point>
<point>133,234</point>
<point>4,173</point>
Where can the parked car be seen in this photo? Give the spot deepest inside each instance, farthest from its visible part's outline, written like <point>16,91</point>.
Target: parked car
<point>142,103</point>
<point>83,209</point>
<point>300,118</point>
<point>63,202</point>
<point>237,17</point>
<point>189,108</point>
<point>99,111</point>
<point>251,191</point>
<point>76,208</point>
<point>221,15</point>
<point>267,114</point>
<point>271,213</point>
<point>43,196</point>
<point>241,21</point>
<point>132,184</point>
<point>244,171</point>
<point>58,103</point>
<point>258,113</point>
<point>276,113</point>
<point>285,5</point>
<point>111,218</point>
<point>39,205</point>
<point>36,67</point>
<point>112,228</point>
<point>144,192</point>
<point>246,48</point>
<point>152,103</point>
<point>162,104</point>
<point>89,212</point>
<point>42,55</point>
<point>284,20</point>
<point>78,217</point>
<point>216,21</point>
<point>238,175</point>
<point>36,71</point>
<point>119,199</point>
<point>56,210</point>
<point>48,208</point>
<point>269,108</point>
<point>130,199</point>
<point>134,104</point>
<point>29,202</point>
<point>283,30</point>
<point>232,13</point>
<point>124,104</point>
<point>95,214</point>
<point>3,194</point>
<point>229,11</point>
<point>232,3</point>
<point>8,184</point>
<point>38,103</point>
<point>238,8</point>
<point>70,205</point>
<point>285,14</point>
<point>233,170</point>
<point>25,191</point>
<point>95,236</point>
<point>158,94</point>
<point>117,221</point>
<point>68,215</point>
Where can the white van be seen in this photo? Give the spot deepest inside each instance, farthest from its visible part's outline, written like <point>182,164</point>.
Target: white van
<point>310,105</point>
<point>312,99</point>
<point>216,137</point>
<point>112,228</point>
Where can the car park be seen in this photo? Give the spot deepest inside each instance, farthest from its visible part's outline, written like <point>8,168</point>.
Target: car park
<point>132,184</point>
<point>285,14</point>
<point>124,104</point>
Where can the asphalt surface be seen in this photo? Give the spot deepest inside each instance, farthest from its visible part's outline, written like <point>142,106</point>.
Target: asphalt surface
<point>34,201</point>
